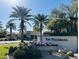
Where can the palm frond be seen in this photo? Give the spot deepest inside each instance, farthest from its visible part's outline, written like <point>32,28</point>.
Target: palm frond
<point>10,24</point>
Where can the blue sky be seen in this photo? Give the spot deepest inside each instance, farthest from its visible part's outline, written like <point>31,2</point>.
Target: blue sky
<point>37,6</point>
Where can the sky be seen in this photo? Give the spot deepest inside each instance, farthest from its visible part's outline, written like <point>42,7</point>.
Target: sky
<point>37,6</point>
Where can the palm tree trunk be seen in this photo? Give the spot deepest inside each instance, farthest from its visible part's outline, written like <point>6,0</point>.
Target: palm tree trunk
<point>75,26</point>
<point>22,32</point>
<point>10,32</point>
<point>41,32</point>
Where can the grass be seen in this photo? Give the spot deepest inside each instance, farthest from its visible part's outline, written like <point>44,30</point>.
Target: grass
<point>4,49</point>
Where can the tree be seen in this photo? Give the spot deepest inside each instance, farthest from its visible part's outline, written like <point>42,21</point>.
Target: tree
<point>11,26</point>
<point>50,25</point>
<point>36,28</point>
<point>58,21</point>
<point>58,26</point>
<point>23,15</point>
<point>57,14</point>
<point>1,30</point>
<point>40,19</point>
<point>73,9</point>
<point>0,26</point>
<point>72,14</point>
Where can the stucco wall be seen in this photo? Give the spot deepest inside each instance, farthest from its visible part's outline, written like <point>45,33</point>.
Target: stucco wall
<point>69,42</point>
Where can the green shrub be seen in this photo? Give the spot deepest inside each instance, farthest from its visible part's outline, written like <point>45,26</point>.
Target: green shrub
<point>70,53</point>
<point>25,52</point>
<point>11,50</point>
<point>19,54</point>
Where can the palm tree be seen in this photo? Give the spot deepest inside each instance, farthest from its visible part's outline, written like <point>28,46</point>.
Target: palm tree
<point>11,26</point>
<point>40,20</point>
<point>23,15</point>
<point>1,25</point>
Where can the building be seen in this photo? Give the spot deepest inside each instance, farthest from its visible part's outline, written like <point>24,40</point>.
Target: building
<point>30,35</point>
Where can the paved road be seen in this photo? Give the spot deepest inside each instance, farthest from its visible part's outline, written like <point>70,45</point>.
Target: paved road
<point>5,42</point>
